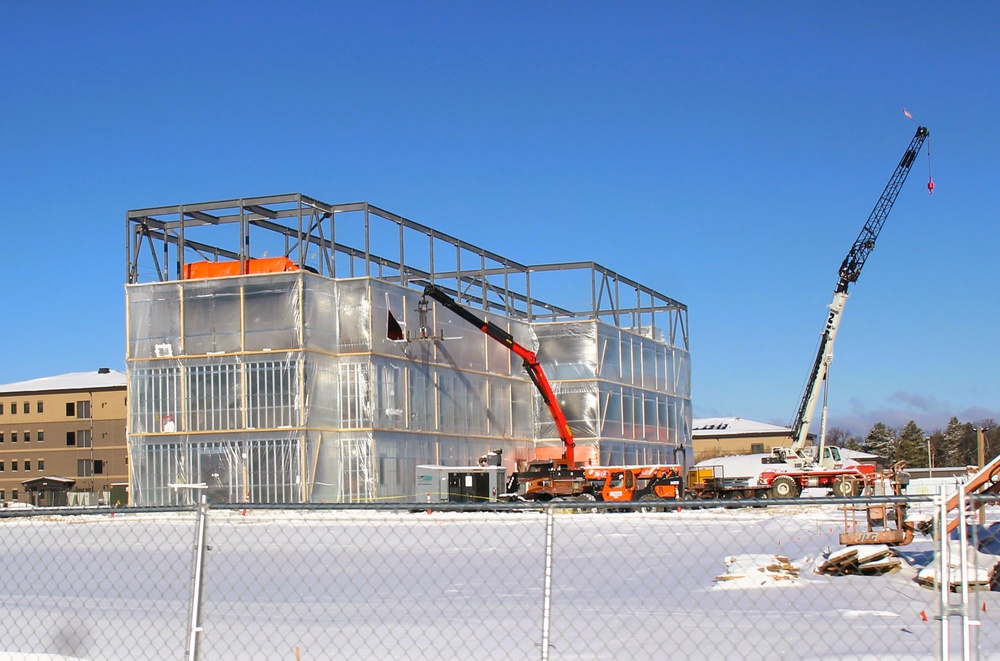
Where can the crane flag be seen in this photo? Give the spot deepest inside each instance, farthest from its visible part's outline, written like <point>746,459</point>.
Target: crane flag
<point>907,113</point>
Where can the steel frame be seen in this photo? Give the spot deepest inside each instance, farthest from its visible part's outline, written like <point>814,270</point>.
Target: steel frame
<point>350,240</point>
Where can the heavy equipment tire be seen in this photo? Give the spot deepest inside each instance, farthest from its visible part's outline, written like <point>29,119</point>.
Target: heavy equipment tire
<point>845,487</point>
<point>733,495</point>
<point>785,487</point>
<point>587,498</point>
<point>649,508</point>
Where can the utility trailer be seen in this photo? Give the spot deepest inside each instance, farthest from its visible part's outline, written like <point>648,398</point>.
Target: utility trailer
<point>461,484</point>
<point>710,482</point>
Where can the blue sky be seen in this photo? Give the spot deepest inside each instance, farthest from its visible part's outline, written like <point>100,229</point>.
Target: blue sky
<point>725,154</point>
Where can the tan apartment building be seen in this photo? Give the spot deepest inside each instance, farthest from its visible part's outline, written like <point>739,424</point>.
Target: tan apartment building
<point>63,441</point>
<point>721,437</point>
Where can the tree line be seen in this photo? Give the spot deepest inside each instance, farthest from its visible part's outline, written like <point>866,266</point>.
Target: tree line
<point>954,446</point>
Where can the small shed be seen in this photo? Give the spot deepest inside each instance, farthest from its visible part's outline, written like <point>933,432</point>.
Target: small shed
<point>48,491</point>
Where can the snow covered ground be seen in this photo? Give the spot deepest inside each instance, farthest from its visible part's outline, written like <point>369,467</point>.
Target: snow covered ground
<point>695,584</point>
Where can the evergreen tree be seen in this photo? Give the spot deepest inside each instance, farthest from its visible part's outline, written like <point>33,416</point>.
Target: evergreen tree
<point>912,447</point>
<point>939,456</point>
<point>881,440</point>
<point>959,443</point>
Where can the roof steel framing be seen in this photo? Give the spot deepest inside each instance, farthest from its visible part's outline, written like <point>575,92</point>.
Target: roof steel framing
<point>159,238</point>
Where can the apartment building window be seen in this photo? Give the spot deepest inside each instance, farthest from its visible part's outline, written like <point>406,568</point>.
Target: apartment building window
<point>13,408</point>
<point>13,437</point>
<point>39,407</point>
<point>83,410</point>
<point>756,448</point>
<point>2,494</point>
<point>71,438</point>
<point>83,438</point>
<point>84,468</point>
<point>1,466</point>
<point>13,465</point>
<point>1,409</point>
<point>27,465</point>
<point>13,494</point>
<point>27,436</point>
<point>41,435</point>
<point>1,437</point>
<point>70,409</point>
<point>27,407</point>
<point>41,465</point>
<point>98,466</point>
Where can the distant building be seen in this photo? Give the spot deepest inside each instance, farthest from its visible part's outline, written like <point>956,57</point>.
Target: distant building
<point>62,439</point>
<point>720,437</point>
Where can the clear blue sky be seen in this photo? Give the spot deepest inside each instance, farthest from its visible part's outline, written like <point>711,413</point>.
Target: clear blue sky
<point>725,153</point>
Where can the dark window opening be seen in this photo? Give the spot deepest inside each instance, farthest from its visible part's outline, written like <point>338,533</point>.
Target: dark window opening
<point>393,330</point>
<point>71,438</point>
<point>70,409</point>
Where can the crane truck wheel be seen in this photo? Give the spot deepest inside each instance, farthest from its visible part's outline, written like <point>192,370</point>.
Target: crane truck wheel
<point>844,487</point>
<point>785,487</point>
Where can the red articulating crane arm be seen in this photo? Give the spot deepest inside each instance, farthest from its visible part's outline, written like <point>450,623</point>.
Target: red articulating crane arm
<point>531,364</point>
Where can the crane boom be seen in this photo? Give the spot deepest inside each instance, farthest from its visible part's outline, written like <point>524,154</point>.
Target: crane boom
<point>529,359</point>
<point>849,271</point>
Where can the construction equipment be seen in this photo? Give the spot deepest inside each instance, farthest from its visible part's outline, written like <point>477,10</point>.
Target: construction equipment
<point>546,479</point>
<point>885,523</point>
<point>711,482</point>
<point>621,484</point>
<point>821,464</point>
<point>529,359</point>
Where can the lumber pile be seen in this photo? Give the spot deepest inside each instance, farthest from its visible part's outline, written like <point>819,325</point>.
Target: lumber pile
<point>758,569</point>
<point>981,570</point>
<point>863,560</point>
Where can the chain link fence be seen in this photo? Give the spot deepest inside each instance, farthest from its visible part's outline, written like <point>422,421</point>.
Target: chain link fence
<point>695,580</point>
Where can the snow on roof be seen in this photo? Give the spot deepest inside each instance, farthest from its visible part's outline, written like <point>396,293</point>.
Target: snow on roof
<point>96,380</point>
<point>733,427</point>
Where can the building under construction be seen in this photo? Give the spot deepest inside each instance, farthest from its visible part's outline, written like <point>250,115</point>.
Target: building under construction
<point>280,350</point>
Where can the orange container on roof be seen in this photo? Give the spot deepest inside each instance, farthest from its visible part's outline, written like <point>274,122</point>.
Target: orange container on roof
<point>198,270</point>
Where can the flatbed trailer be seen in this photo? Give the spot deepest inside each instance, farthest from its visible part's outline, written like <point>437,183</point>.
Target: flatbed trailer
<point>710,482</point>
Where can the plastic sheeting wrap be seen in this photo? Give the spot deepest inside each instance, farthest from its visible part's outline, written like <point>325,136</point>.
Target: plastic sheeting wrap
<point>154,320</point>
<point>294,387</point>
<point>626,392</point>
<point>254,467</point>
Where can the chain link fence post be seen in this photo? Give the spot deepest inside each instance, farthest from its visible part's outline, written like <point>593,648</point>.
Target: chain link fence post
<point>197,581</point>
<point>547,589</point>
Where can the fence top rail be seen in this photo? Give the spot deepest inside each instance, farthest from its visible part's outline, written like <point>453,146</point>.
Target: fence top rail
<point>564,506</point>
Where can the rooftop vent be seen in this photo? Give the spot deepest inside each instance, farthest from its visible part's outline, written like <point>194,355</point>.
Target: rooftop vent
<point>104,370</point>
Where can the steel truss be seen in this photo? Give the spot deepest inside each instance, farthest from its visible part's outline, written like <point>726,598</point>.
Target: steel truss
<point>357,240</point>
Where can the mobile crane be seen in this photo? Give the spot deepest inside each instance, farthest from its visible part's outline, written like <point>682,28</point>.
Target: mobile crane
<point>824,467</point>
<point>544,479</point>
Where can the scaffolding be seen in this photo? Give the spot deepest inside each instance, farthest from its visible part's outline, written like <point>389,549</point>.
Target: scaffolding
<point>292,387</point>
